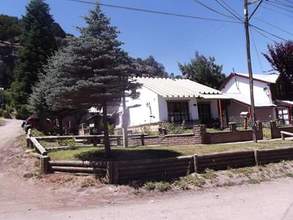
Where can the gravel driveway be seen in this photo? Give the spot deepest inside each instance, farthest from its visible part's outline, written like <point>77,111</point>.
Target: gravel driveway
<point>21,198</point>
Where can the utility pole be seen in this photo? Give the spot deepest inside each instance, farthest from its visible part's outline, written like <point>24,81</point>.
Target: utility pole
<point>249,65</point>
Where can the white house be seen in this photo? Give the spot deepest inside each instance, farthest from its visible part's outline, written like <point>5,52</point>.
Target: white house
<point>174,100</point>
<point>237,88</point>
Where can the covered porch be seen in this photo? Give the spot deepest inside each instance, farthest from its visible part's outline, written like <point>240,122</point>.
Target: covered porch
<point>207,109</point>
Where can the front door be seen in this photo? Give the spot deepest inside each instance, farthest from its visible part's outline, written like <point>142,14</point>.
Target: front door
<point>204,113</point>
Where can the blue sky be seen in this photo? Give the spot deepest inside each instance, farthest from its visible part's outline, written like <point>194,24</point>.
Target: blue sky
<point>171,39</point>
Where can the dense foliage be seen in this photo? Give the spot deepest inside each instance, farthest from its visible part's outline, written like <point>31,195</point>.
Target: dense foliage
<point>149,67</point>
<point>38,42</point>
<point>92,70</point>
<point>280,56</point>
<point>10,28</point>
<point>203,70</point>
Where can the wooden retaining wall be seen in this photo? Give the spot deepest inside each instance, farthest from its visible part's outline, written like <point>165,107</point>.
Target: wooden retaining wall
<point>159,169</point>
<point>274,156</point>
<point>222,161</point>
<point>99,169</point>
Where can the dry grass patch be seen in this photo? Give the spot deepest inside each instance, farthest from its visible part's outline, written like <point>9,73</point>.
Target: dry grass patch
<point>209,179</point>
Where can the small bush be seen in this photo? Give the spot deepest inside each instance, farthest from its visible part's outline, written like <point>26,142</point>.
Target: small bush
<point>66,142</point>
<point>159,186</point>
<point>150,186</point>
<point>36,133</point>
<point>6,114</point>
<point>163,186</point>
<point>22,112</point>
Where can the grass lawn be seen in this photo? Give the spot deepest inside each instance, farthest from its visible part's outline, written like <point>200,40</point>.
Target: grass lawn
<point>147,152</point>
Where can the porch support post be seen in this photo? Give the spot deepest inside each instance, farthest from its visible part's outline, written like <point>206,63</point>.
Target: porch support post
<point>220,113</point>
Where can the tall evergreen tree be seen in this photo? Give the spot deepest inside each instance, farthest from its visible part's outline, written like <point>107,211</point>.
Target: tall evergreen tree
<point>91,70</point>
<point>149,67</point>
<point>203,70</point>
<point>37,44</point>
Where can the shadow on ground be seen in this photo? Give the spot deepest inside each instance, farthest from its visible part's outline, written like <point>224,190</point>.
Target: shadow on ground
<point>136,154</point>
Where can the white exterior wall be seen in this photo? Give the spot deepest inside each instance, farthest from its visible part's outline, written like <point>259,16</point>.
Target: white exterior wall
<point>240,85</point>
<point>141,115</point>
<point>159,110</point>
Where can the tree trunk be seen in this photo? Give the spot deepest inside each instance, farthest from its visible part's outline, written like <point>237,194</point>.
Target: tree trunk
<point>106,131</point>
<point>60,122</point>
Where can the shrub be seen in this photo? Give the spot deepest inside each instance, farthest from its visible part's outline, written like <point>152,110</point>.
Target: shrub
<point>160,186</point>
<point>22,112</point>
<point>66,142</point>
<point>6,114</point>
<point>173,128</point>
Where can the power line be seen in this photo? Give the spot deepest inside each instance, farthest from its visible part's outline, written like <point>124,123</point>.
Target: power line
<point>276,10</point>
<point>212,9</point>
<point>264,35</point>
<point>225,6</point>
<point>254,11</point>
<point>257,54</point>
<point>154,11</point>
<point>267,32</point>
<point>275,5</point>
<point>290,5</point>
<point>274,26</point>
<point>231,8</point>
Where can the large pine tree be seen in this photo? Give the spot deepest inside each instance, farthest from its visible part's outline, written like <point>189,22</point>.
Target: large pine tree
<point>37,44</point>
<point>92,70</point>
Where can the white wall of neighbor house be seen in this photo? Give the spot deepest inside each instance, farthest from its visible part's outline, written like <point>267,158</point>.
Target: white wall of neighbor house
<point>240,85</point>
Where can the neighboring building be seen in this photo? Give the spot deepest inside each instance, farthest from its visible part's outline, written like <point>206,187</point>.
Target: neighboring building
<point>175,100</point>
<point>270,97</point>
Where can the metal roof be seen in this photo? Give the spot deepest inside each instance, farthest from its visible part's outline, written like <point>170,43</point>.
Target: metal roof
<point>177,88</point>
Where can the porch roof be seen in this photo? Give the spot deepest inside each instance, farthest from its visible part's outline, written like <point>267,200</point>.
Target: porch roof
<point>177,88</point>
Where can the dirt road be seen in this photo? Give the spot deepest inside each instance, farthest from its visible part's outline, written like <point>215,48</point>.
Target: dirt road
<point>20,198</point>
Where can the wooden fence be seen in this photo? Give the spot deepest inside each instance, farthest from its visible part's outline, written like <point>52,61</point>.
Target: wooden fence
<point>222,161</point>
<point>99,169</point>
<point>120,172</point>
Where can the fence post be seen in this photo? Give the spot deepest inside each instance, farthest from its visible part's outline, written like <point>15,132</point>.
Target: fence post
<point>118,141</point>
<point>195,163</point>
<point>44,164</point>
<point>256,157</point>
<point>112,172</point>
<point>142,139</point>
<point>28,141</point>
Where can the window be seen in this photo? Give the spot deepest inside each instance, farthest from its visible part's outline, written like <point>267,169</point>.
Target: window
<point>178,111</point>
<point>283,115</point>
<point>204,112</point>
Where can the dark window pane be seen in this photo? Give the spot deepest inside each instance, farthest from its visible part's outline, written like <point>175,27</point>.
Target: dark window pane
<point>178,111</point>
